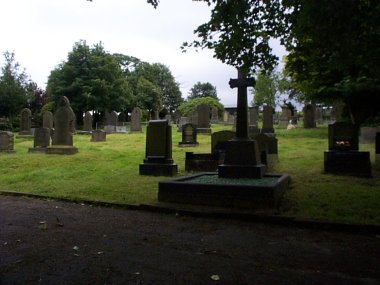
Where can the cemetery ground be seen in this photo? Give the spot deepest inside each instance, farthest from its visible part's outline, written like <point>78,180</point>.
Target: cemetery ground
<point>47,241</point>
<point>109,172</point>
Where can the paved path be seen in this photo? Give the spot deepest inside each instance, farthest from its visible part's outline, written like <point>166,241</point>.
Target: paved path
<point>52,242</point>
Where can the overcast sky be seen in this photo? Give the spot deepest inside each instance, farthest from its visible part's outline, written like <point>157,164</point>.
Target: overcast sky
<point>41,33</point>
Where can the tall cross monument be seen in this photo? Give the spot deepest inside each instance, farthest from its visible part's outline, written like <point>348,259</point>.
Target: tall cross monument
<point>242,158</point>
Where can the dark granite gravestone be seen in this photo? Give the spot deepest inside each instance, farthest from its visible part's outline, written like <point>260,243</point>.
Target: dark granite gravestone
<point>64,119</point>
<point>47,120</point>
<point>26,122</point>
<point>267,120</point>
<point>136,120</point>
<point>203,115</point>
<point>214,115</point>
<point>343,156</point>
<point>240,181</point>
<point>197,162</point>
<point>189,136</point>
<point>98,136</point>
<point>87,122</point>
<point>377,151</point>
<point>309,116</point>
<point>6,142</point>
<point>41,140</point>
<point>158,155</point>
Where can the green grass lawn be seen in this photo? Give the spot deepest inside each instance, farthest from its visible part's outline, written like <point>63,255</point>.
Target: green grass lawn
<point>109,172</point>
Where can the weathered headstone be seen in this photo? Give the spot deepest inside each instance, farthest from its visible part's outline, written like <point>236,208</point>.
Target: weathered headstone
<point>182,121</point>
<point>6,142</point>
<point>214,115</point>
<point>253,116</point>
<point>47,120</point>
<point>158,155</point>
<point>136,120</point>
<point>267,120</point>
<point>26,122</point>
<point>285,117</point>
<point>318,115</point>
<point>268,148</point>
<point>111,122</point>
<point>343,156</point>
<point>87,122</point>
<point>203,115</point>
<point>189,135</point>
<point>64,119</point>
<point>226,115</point>
<point>41,140</point>
<point>309,116</point>
<point>98,136</point>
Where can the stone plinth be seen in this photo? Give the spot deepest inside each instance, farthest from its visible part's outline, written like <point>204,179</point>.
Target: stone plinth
<point>61,149</point>
<point>211,190</point>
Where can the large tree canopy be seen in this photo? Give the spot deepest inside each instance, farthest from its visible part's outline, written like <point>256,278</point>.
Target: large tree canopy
<point>200,90</point>
<point>91,79</point>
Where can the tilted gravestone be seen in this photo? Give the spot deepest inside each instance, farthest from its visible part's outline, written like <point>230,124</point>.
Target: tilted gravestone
<point>26,122</point>
<point>189,136</point>
<point>6,142</point>
<point>47,120</point>
<point>267,120</point>
<point>343,156</point>
<point>309,116</point>
<point>158,155</point>
<point>98,136</point>
<point>87,122</point>
<point>136,120</point>
<point>41,140</point>
<point>64,120</point>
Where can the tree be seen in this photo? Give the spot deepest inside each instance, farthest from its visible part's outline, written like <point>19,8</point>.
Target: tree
<point>14,84</point>
<point>335,55</point>
<point>91,79</point>
<point>148,95</point>
<point>160,78</point>
<point>266,90</point>
<point>188,107</point>
<point>200,90</point>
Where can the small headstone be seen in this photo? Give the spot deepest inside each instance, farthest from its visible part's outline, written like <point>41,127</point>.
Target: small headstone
<point>285,117</point>
<point>26,122</point>
<point>98,136</point>
<point>64,120</point>
<point>41,140</point>
<point>6,142</point>
<point>189,135</point>
<point>267,120</point>
<point>253,116</point>
<point>158,155</point>
<point>203,114</point>
<point>136,120</point>
<point>87,122</point>
<point>309,116</point>
<point>47,120</point>
<point>219,141</point>
<point>182,121</point>
<point>214,115</point>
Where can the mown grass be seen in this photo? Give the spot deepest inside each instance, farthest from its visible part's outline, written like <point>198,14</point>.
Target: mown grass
<point>109,171</point>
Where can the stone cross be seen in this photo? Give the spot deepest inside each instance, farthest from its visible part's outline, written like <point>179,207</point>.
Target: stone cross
<point>242,82</point>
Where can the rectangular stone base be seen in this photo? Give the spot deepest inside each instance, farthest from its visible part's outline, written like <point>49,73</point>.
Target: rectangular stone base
<point>241,171</point>
<point>37,149</point>
<point>249,194</point>
<point>201,162</point>
<point>61,149</point>
<point>157,169</point>
<point>355,163</point>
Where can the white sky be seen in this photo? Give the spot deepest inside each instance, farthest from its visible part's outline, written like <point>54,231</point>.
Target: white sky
<point>41,33</point>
